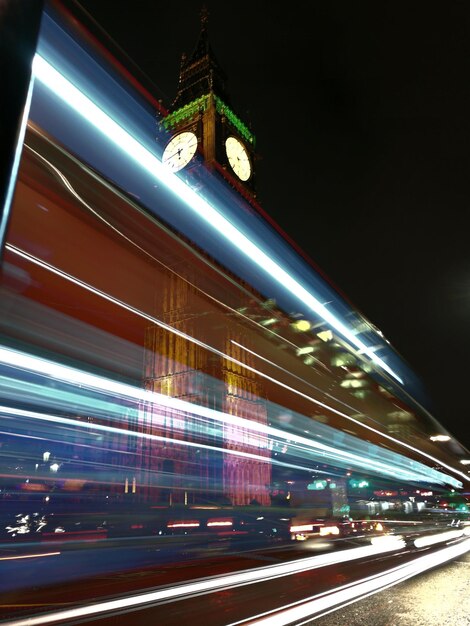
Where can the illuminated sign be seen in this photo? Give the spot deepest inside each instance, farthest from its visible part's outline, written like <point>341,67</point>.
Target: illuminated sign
<point>317,485</point>
<point>358,484</point>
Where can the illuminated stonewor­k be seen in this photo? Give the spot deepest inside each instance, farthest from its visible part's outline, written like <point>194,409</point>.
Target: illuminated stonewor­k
<point>177,369</point>
<point>188,371</point>
<point>202,109</point>
<point>247,481</point>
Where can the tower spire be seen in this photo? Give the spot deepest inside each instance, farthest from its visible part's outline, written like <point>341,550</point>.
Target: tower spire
<point>204,17</point>
<point>200,73</point>
<point>201,113</point>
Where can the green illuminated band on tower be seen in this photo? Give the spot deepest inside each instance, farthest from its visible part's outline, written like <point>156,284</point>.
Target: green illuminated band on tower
<point>223,109</point>
<point>188,111</point>
<point>200,105</point>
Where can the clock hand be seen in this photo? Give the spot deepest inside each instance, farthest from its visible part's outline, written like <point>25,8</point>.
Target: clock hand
<point>178,152</point>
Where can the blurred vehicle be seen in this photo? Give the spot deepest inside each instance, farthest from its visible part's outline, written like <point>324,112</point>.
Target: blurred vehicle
<point>341,527</point>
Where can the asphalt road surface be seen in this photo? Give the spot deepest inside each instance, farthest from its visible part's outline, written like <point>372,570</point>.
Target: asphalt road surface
<point>440,597</point>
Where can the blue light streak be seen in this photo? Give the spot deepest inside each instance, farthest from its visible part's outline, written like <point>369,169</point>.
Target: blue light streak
<point>67,92</point>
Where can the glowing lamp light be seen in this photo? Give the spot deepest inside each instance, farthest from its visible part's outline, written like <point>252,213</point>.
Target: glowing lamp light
<point>54,467</point>
<point>302,326</point>
<point>329,530</point>
<point>219,522</point>
<point>268,322</point>
<point>306,350</point>
<point>184,524</point>
<point>301,528</point>
<point>440,438</point>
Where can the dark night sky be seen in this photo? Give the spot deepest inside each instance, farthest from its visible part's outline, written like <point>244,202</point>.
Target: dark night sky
<point>362,118</point>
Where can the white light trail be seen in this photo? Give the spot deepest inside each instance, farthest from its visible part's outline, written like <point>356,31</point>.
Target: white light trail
<point>307,608</point>
<point>431,540</point>
<point>386,540</point>
<point>70,94</point>
<point>208,585</point>
<point>56,419</point>
<point>301,528</point>
<point>352,419</point>
<point>28,556</point>
<point>156,321</point>
<point>71,375</point>
<point>77,100</point>
<point>316,606</point>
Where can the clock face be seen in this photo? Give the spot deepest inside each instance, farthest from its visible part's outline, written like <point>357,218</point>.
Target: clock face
<point>238,158</point>
<point>179,151</point>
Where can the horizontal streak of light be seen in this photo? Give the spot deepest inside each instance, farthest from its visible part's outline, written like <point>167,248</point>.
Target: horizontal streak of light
<point>384,540</point>
<point>152,319</point>
<point>302,527</point>
<point>430,540</point>
<point>393,521</point>
<point>66,91</point>
<point>84,285</point>
<point>323,603</point>
<point>58,398</point>
<point>122,431</point>
<point>28,556</point>
<point>85,107</point>
<point>352,419</point>
<point>208,585</point>
<point>184,525</point>
<point>49,368</point>
<point>49,439</point>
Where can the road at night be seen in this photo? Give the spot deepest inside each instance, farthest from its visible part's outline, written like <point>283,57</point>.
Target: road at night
<point>199,427</point>
<point>233,604</point>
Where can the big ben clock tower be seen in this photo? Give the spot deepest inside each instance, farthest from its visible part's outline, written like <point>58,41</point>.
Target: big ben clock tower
<point>201,120</point>
<point>201,124</point>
